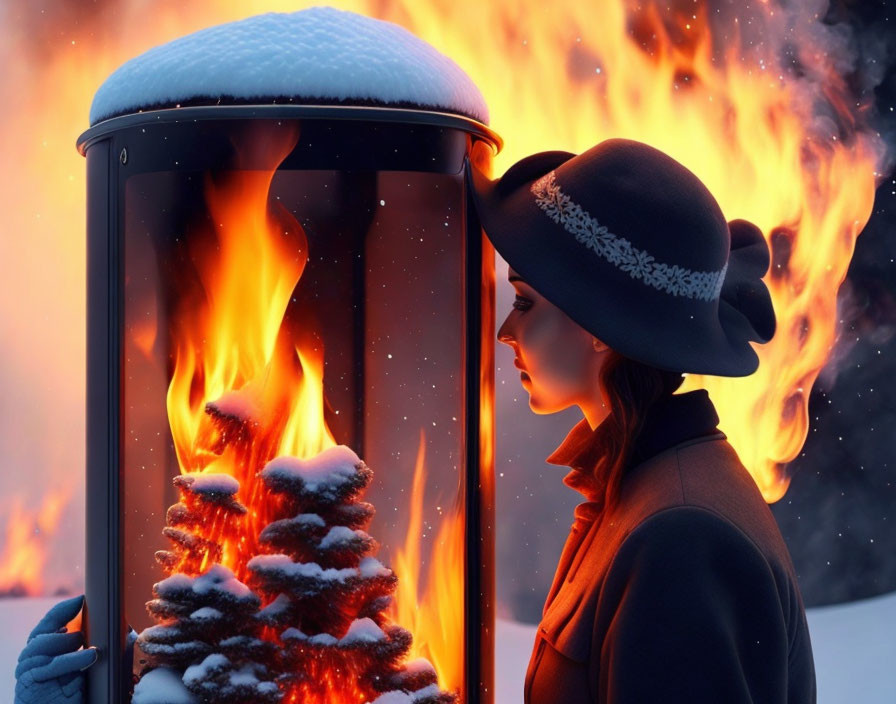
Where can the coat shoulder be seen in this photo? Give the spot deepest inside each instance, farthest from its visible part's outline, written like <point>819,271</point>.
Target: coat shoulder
<point>686,540</point>
<point>692,508</point>
<point>705,474</point>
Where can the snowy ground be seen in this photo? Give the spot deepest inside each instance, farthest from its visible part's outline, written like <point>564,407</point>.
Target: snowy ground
<point>854,646</point>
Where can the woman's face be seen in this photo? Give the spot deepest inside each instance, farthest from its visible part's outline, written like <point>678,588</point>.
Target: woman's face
<point>559,360</point>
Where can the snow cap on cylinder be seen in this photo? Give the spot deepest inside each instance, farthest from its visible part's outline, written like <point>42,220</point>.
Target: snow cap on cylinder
<point>320,55</point>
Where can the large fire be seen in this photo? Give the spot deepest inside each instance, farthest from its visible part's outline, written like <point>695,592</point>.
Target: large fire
<point>558,77</point>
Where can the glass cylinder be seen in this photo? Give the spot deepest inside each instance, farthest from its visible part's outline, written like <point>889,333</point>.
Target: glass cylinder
<point>269,287</point>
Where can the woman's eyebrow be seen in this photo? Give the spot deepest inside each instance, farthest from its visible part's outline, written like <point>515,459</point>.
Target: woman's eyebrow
<point>515,278</point>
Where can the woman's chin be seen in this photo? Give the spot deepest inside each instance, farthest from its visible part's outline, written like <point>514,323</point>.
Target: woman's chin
<point>535,402</point>
<point>539,406</point>
<point>542,410</point>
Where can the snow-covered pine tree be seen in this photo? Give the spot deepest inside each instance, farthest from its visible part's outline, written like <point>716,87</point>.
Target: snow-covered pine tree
<point>327,592</point>
<point>207,633</point>
<point>327,638</point>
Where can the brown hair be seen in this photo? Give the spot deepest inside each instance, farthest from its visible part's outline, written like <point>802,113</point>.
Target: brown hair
<point>630,388</point>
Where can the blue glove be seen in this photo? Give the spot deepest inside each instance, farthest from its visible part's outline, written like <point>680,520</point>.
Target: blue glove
<point>50,666</point>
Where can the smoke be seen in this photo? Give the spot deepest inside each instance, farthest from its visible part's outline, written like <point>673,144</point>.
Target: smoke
<point>866,316</point>
<point>836,56</point>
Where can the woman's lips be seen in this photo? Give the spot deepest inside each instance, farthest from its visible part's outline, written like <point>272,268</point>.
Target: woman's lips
<point>524,376</point>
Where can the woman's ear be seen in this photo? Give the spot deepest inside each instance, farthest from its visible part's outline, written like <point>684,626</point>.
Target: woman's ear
<point>598,345</point>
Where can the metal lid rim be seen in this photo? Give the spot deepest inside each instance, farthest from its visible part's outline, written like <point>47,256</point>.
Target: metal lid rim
<point>267,111</point>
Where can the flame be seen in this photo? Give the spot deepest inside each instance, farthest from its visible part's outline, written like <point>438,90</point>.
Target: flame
<point>436,619</point>
<point>29,534</point>
<point>235,356</point>
<point>323,676</point>
<point>247,386</point>
<point>582,73</point>
<point>562,76</point>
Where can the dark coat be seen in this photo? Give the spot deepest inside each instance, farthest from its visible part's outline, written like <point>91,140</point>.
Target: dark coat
<point>683,592</point>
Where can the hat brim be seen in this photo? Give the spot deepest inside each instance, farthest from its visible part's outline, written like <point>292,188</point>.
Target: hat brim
<point>559,268</point>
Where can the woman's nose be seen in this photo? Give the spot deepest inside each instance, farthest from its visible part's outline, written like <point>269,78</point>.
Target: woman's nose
<point>505,333</point>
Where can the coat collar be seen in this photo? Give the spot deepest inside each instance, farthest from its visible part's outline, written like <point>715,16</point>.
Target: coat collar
<point>670,421</point>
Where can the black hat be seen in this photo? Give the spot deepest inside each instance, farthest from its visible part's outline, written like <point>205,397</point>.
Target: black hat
<point>633,247</point>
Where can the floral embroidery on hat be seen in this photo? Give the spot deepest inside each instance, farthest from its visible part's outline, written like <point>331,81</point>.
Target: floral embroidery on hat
<point>637,263</point>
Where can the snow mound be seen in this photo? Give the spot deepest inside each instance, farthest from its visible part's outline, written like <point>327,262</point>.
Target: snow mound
<point>371,567</point>
<point>303,525</point>
<point>237,405</point>
<point>206,613</point>
<point>323,639</point>
<point>276,607</point>
<point>339,536</point>
<point>218,580</point>
<point>316,53</point>
<point>293,633</point>
<point>162,686</point>
<point>284,566</point>
<point>400,697</point>
<point>196,673</point>
<point>322,474</point>
<point>396,697</point>
<point>362,630</point>
<point>209,484</point>
<point>419,666</point>
<point>216,677</point>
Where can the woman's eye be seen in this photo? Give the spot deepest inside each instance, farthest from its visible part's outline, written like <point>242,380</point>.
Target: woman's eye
<point>521,303</point>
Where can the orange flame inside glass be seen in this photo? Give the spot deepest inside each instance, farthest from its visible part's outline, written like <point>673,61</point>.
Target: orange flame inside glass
<point>241,355</point>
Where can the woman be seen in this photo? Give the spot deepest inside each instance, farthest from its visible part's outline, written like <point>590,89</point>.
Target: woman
<point>675,584</point>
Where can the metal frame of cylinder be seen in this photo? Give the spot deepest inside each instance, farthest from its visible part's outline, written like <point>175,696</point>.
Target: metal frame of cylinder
<point>175,138</point>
